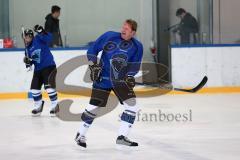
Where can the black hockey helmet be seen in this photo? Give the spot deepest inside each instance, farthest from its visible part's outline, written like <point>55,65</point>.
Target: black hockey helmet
<point>28,32</point>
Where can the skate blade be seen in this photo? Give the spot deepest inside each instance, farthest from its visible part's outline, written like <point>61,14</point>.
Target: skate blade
<point>36,115</point>
<point>53,115</point>
<point>81,148</point>
<point>121,147</point>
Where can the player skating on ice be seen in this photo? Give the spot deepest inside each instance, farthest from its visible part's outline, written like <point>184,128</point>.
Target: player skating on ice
<point>37,53</point>
<point>120,61</point>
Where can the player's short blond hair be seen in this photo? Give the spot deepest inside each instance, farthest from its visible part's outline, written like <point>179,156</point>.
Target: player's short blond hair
<point>132,23</point>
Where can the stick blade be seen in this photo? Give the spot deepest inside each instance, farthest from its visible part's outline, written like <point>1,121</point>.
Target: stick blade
<point>195,89</point>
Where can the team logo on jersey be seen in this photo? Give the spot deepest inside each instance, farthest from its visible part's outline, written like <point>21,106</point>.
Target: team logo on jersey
<point>36,55</point>
<point>118,65</point>
<point>110,46</point>
<point>125,45</point>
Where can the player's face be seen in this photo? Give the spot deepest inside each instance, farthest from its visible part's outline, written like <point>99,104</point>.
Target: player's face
<point>126,32</point>
<point>181,16</point>
<point>56,15</point>
<point>28,39</point>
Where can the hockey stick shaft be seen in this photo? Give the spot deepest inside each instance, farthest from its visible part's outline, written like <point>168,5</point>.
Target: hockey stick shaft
<point>25,47</point>
<point>193,90</point>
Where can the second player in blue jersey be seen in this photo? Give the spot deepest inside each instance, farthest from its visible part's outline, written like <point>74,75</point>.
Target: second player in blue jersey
<point>38,54</point>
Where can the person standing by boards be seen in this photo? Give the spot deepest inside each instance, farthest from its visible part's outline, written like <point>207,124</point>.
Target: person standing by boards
<point>52,26</point>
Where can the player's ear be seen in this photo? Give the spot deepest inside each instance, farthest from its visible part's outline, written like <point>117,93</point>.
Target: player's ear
<point>133,33</point>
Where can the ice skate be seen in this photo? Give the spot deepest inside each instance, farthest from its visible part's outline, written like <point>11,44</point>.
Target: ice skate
<point>122,140</point>
<point>54,111</point>
<point>38,110</point>
<point>81,140</point>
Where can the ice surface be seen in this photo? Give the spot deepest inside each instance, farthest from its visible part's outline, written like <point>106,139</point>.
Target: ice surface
<point>213,133</point>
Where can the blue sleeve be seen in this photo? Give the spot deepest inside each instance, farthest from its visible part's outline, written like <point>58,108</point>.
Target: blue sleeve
<point>96,47</point>
<point>45,37</point>
<point>135,61</point>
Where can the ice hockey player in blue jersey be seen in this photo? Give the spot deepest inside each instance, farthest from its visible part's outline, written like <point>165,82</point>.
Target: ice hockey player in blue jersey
<point>120,62</point>
<point>37,53</point>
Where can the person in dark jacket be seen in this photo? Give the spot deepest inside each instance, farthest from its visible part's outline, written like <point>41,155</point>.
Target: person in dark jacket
<point>187,27</point>
<point>52,26</point>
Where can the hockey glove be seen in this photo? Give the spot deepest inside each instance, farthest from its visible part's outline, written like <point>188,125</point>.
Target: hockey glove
<point>96,70</point>
<point>130,80</point>
<point>39,29</point>
<point>27,61</point>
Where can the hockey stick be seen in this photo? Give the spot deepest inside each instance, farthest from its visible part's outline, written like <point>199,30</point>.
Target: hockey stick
<point>25,50</point>
<point>193,90</point>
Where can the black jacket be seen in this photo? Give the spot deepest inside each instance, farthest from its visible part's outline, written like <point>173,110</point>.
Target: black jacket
<point>52,26</point>
<point>189,24</point>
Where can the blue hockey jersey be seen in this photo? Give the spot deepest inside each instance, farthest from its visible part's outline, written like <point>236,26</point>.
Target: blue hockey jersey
<point>39,51</point>
<point>119,58</point>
